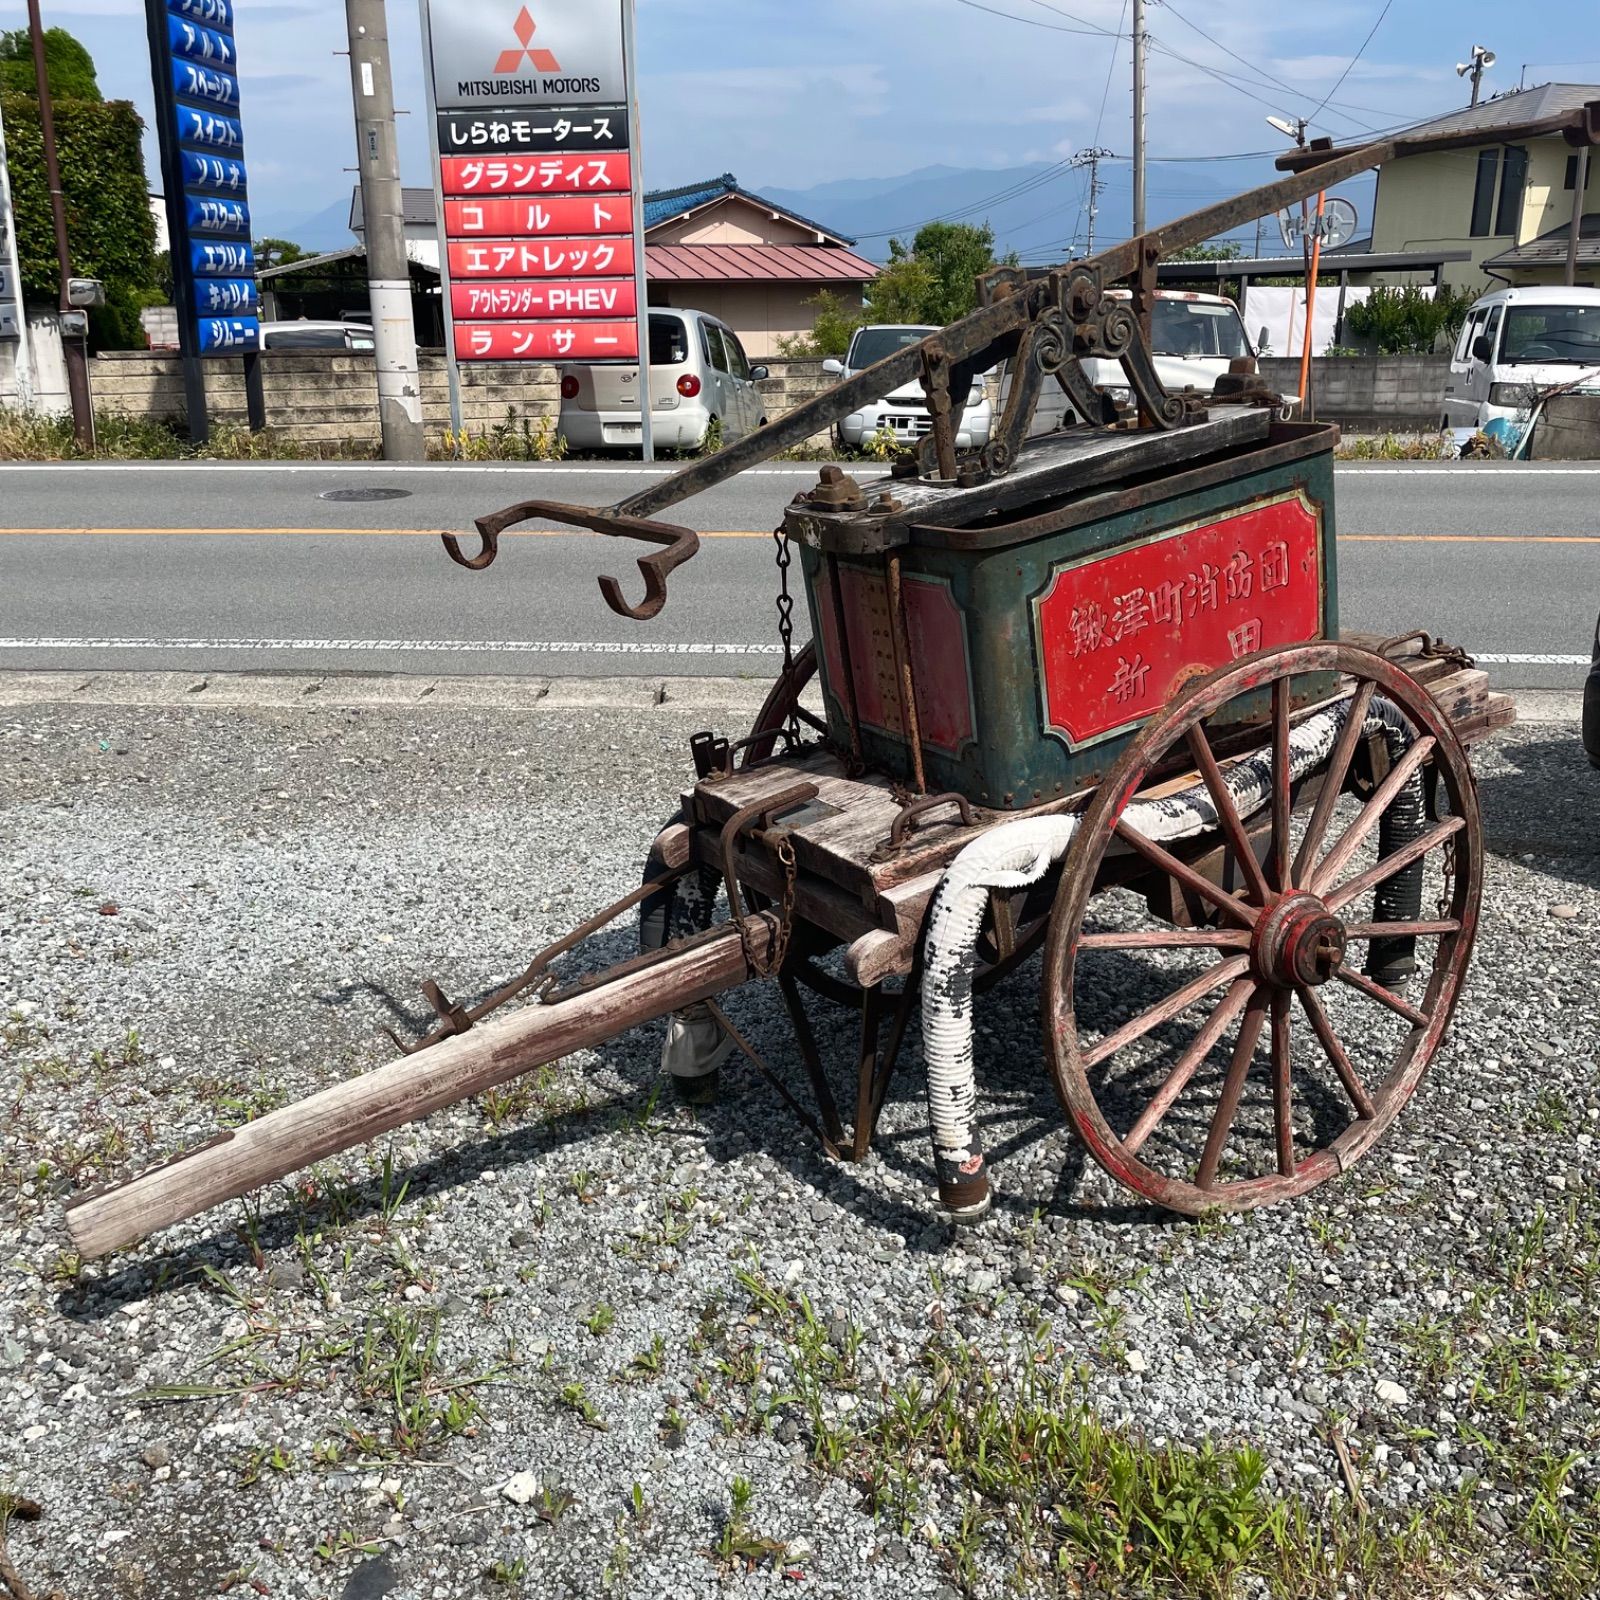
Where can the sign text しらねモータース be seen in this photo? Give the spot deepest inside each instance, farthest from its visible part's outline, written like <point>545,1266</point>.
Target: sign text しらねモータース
<point>533,132</point>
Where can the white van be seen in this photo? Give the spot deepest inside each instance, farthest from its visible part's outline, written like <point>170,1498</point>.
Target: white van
<point>1516,342</point>
<point>1194,339</point>
<point>699,374</point>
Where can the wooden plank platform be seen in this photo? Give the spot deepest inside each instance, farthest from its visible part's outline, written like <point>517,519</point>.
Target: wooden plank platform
<point>850,884</point>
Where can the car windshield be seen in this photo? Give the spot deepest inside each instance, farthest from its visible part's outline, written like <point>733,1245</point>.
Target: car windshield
<point>1196,328</point>
<point>669,342</point>
<point>1552,333</point>
<point>873,345</point>
<point>305,339</point>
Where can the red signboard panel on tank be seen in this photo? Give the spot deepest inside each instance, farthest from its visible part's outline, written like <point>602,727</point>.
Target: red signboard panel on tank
<point>549,216</point>
<point>543,258</point>
<point>1119,635</point>
<point>547,341</point>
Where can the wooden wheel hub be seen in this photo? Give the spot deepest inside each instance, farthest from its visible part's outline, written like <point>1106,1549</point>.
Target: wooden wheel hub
<point>1299,941</point>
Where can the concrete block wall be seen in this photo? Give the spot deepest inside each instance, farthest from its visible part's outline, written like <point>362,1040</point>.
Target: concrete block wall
<point>1369,394</point>
<point>324,399</point>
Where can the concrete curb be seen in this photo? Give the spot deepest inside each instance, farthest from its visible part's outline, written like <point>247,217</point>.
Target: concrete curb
<point>340,692</point>
<point>345,692</point>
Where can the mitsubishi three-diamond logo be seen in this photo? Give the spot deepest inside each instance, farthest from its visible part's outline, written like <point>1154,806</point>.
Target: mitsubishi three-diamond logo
<point>511,60</point>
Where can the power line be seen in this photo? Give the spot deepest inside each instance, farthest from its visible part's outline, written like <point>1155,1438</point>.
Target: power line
<point>1356,57</point>
<point>1032,22</point>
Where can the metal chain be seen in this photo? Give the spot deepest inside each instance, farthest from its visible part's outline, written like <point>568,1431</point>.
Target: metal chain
<point>778,946</point>
<point>1448,884</point>
<point>780,537</point>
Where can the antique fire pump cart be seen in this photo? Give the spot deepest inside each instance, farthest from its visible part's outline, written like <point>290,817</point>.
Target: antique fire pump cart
<point>1084,694</point>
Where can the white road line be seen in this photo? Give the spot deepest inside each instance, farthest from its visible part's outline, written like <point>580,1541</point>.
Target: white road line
<point>443,646</point>
<point>1492,474</point>
<point>1528,661</point>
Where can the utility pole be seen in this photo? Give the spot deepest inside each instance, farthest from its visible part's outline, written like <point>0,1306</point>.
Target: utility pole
<point>1091,159</point>
<point>74,349</point>
<point>1141,48</point>
<point>394,332</point>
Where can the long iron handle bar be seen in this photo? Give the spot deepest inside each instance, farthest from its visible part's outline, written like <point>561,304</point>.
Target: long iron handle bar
<point>975,334</point>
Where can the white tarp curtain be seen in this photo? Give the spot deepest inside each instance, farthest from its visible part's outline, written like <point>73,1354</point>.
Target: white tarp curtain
<point>1282,311</point>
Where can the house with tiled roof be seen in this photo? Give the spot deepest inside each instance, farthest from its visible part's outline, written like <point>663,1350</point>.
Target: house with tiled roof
<point>1510,206</point>
<point>712,246</point>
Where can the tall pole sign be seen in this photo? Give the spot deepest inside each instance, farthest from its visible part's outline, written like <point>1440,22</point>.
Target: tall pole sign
<point>536,176</point>
<point>13,316</point>
<point>196,68</point>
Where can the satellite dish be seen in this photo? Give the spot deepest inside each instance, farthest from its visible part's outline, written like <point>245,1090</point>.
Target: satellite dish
<point>1339,221</point>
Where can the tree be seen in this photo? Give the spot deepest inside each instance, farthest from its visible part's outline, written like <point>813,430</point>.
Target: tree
<point>68,67</point>
<point>107,199</point>
<point>278,252</point>
<point>935,279</point>
<point>1405,321</point>
<point>1207,252</point>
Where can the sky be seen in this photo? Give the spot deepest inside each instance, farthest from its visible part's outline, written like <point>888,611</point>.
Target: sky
<point>792,93</point>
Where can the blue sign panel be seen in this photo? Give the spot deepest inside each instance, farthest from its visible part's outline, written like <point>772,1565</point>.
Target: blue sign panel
<point>208,131</point>
<point>229,335</point>
<point>214,259</point>
<point>226,297</point>
<point>209,13</point>
<point>213,174</point>
<point>197,90</point>
<point>191,42</point>
<point>229,218</point>
<point>191,81</point>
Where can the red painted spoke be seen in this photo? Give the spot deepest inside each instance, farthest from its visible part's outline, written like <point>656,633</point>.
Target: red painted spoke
<point>1392,863</point>
<point>1168,939</point>
<point>1227,812</point>
<point>1233,1086</point>
<point>1213,977</point>
<point>1399,930</point>
<point>1338,770</point>
<point>1383,796</point>
<point>1280,783</point>
<point>1282,1070</point>
<point>1384,997</point>
<point>1229,904</point>
<point>1334,1049</point>
<point>1229,1007</point>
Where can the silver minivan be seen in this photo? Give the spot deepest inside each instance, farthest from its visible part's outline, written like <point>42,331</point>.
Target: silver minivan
<point>699,374</point>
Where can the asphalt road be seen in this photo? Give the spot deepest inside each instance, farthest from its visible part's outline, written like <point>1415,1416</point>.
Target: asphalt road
<point>219,567</point>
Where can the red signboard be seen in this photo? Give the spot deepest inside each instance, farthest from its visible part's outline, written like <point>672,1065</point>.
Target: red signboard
<point>1121,634</point>
<point>607,298</point>
<point>555,258</point>
<point>519,175</point>
<point>547,341</point>
<point>528,219</point>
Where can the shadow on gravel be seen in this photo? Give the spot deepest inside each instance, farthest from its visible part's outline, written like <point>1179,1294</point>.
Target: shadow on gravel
<point>1547,806</point>
<point>1018,1110</point>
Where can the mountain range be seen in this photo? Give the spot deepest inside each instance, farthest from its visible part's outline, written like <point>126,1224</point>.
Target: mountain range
<point>1038,210</point>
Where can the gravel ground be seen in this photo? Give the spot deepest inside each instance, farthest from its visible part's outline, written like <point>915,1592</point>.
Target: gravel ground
<point>576,1339</point>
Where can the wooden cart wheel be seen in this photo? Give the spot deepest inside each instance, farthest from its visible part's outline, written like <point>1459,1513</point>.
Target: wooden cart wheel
<point>774,712</point>
<point>1139,1011</point>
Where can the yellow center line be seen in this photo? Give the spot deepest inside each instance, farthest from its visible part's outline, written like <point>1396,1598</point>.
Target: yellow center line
<point>719,533</point>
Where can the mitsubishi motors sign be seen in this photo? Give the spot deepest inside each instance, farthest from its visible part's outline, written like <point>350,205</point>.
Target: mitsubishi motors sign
<point>537,179</point>
<point>507,54</point>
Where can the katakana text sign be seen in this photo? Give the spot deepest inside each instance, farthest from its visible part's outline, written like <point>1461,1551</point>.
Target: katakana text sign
<point>538,182</point>
<point>523,219</point>
<point>615,298</point>
<point>547,341</point>
<point>1120,635</point>
<point>207,184</point>
<point>492,175</point>
<point>554,258</point>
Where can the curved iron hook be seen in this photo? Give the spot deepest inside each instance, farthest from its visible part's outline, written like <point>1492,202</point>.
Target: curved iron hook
<point>681,544</point>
